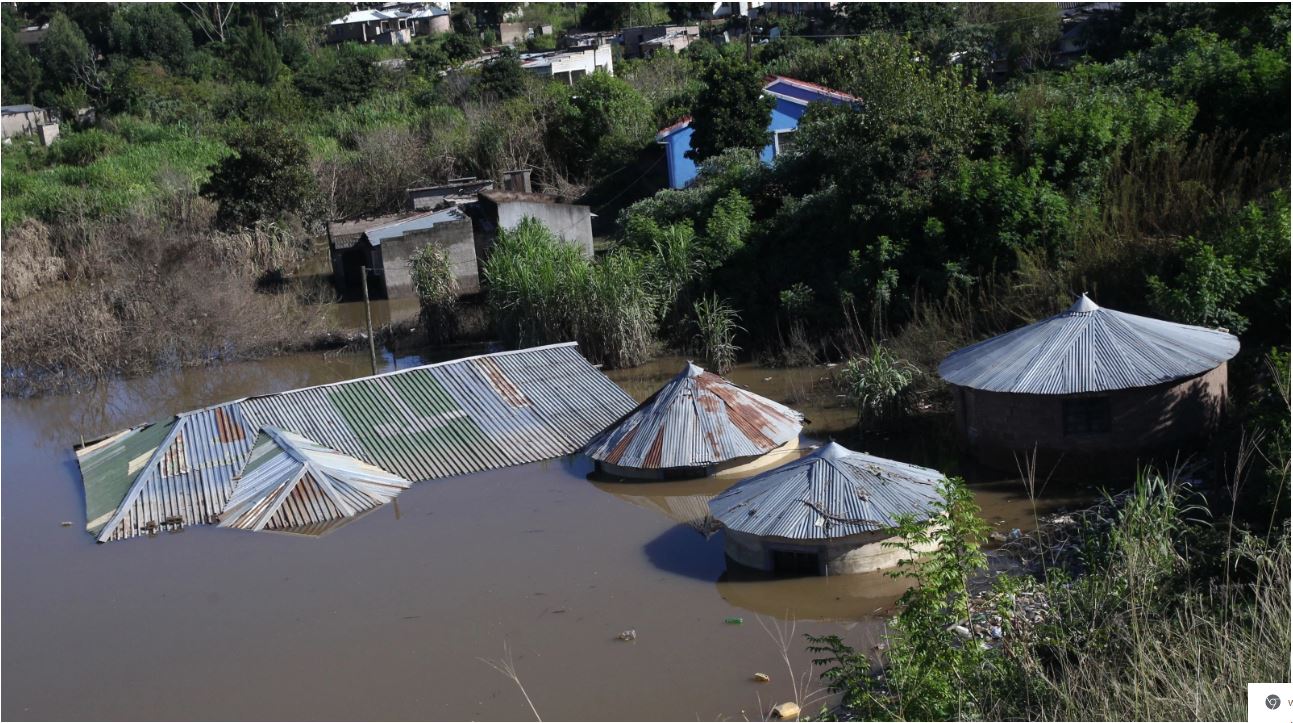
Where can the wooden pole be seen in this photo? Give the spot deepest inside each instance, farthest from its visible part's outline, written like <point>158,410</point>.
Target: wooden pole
<point>368,316</point>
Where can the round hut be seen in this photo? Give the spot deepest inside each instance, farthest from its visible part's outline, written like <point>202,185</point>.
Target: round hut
<point>1091,384</point>
<point>828,513</point>
<point>698,424</point>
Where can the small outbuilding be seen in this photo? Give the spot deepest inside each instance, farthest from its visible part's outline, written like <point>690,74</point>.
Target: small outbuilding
<point>698,424</point>
<point>828,513</point>
<point>1092,384</point>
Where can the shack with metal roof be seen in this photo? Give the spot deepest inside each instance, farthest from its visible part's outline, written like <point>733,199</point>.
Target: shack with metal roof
<point>696,425</point>
<point>422,423</point>
<point>831,512</point>
<point>1089,385</point>
<point>385,244</point>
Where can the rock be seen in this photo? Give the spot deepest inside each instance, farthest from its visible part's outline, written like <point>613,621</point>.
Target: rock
<point>629,635</point>
<point>961,630</point>
<point>786,711</point>
<point>762,677</point>
<point>995,632</point>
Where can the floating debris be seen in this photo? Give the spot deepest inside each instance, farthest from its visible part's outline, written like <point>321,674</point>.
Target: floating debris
<point>786,711</point>
<point>762,677</point>
<point>734,621</point>
<point>628,635</point>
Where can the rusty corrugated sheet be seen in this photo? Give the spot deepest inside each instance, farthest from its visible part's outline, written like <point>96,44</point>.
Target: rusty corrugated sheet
<point>831,493</point>
<point>292,484</point>
<point>1088,349</point>
<point>695,420</point>
<point>422,423</point>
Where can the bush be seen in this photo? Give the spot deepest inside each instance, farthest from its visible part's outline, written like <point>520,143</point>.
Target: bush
<point>542,290</point>
<point>437,290</point>
<point>716,327</point>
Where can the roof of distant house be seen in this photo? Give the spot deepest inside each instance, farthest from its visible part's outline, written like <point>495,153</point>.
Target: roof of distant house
<point>16,109</point>
<point>364,16</point>
<point>1088,349</point>
<point>409,224</point>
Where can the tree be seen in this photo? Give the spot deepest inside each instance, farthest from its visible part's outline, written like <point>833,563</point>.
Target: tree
<point>487,14</point>
<point>65,56</point>
<point>503,77</point>
<point>731,110</point>
<point>265,178</point>
<point>343,77</point>
<point>152,31</point>
<point>1022,32</point>
<point>19,71</point>
<point>256,57</point>
<point>605,123</point>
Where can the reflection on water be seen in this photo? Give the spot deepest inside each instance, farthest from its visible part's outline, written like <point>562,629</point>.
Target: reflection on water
<point>841,598</point>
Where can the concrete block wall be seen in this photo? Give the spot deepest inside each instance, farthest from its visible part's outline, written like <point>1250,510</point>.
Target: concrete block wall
<point>455,237</point>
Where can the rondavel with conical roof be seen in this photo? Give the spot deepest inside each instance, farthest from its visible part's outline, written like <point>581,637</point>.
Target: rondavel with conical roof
<point>831,512</point>
<point>1087,382</point>
<point>697,424</point>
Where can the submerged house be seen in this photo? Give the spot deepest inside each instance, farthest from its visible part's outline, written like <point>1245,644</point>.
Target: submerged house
<point>829,513</point>
<point>417,424</point>
<point>384,245</point>
<point>505,209</point>
<point>698,424</point>
<point>792,100</point>
<point>1091,383</point>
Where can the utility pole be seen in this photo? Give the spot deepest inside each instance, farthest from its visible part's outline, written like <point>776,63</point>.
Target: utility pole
<point>368,317</point>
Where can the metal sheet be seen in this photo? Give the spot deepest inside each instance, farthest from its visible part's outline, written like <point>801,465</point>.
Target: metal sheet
<point>1088,349</point>
<point>292,483</point>
<point>696,420</point>
<point>831,493</point>
<point>422,423</point>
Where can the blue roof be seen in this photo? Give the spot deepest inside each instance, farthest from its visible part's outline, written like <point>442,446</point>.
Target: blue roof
<point>803,92</point>
<point>420,222</point>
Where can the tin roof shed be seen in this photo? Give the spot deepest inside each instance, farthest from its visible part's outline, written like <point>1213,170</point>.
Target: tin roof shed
<point>831,493</point>
<point>439,420</point>
<point>697,419</point>
<point>1088,349</point>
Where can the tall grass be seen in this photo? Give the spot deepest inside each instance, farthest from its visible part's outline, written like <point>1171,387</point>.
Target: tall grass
<point>716,327</point>
<point>542,290</point>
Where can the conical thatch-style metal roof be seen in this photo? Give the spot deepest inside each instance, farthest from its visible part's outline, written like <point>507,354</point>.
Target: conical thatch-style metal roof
<point>1088,349</point>
<point>696,420</point>
<point>293,484</point>
<point>831,493</point>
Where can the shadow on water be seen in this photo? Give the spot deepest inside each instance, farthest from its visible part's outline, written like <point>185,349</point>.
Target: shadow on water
<point>836,597</point>
<point>683,551</point>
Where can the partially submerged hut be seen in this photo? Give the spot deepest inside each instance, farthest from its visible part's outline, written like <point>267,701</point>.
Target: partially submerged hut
<point>828,513</point>
<point>1092,383</point>
<point>698,424</point>
<point>291,484</point>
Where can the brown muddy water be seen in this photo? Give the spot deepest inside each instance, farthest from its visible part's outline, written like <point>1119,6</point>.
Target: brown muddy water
<point>393,616</point>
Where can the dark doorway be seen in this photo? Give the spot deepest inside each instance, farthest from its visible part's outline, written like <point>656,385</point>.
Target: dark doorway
<point>795,563</point>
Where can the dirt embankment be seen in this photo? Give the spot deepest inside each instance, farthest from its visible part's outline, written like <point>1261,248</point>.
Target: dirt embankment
<point>84,301</point>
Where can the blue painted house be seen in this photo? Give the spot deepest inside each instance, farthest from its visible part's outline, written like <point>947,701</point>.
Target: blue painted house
<point>792,96</point>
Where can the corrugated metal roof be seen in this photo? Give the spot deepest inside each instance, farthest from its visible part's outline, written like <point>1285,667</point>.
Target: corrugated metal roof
<point>1088,349</point>
<point>831,493</point>
<point>422,423</point>
<point>419,222</point>
<point>695,420</point>
<point>291,483</point>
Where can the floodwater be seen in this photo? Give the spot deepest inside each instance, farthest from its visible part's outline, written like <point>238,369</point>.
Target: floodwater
<point>395,615</point>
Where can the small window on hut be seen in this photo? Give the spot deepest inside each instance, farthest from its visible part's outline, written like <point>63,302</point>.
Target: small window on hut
<point>1088,415</point>
<point>793,563</point>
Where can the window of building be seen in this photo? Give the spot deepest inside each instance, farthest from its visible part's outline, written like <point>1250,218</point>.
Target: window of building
<point>782,141</point>
<point>1088,415</point>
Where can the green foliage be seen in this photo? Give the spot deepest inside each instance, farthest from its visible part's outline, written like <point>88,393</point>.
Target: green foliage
<point>339,77</point>
<point>255,56</point>
<point>716,325</point>
<point>19,71</point>
<point>878,384</point>
<point>605,124</point>
<point>152,31</point>
<point>84,148</point>
<point>503,77</point>
<point>541,290</point>
<point>727,229</point>
<point>1233,277</point>
<point>731,109</point>
<point>932,673</point>
<point>267,177</point>
<point>65,56</point>
<point>437,290</point>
